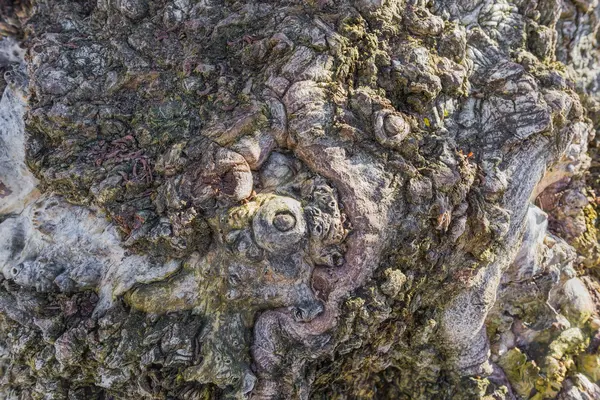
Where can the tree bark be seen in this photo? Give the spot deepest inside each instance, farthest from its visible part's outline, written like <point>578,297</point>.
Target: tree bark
<point>367,199</point>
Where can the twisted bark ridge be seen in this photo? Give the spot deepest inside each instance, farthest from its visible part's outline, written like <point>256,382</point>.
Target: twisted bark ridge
<point>367,199</point>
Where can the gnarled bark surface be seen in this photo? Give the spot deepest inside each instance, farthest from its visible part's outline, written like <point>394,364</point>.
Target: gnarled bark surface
<point>299,199</point>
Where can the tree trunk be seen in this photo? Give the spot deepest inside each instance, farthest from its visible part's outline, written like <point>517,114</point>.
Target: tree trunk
<point>367,199</point>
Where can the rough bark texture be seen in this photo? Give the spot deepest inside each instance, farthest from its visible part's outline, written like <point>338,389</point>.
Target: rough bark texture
<point>369,199</point>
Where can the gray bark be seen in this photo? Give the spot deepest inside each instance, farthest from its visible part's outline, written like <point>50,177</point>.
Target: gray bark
<point>299,199</point>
